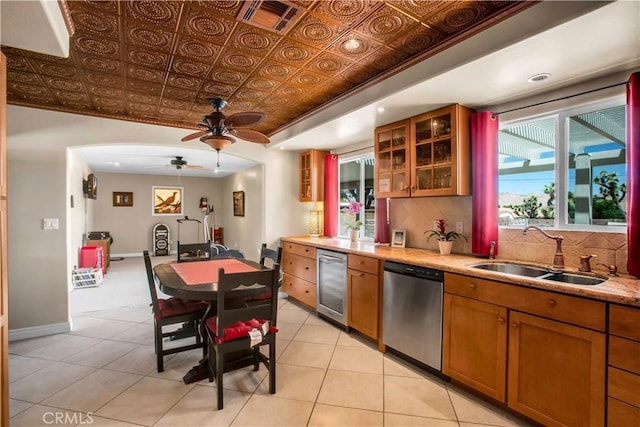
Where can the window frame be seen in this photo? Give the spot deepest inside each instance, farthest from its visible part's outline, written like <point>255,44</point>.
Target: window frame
<point>362,156</point>
<point>561,167</point>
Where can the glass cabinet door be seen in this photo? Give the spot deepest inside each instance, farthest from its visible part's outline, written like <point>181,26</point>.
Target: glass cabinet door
<point>392,168</point>
<point>305,176</point>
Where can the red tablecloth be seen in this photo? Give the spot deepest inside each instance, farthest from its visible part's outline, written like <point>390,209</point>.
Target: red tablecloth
<point>196,273</point>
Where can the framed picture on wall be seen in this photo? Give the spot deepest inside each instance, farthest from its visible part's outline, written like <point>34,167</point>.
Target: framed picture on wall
<point>122,198</point>
<point>398,238</point>
<point>238,203</point>
<point>167,200</point>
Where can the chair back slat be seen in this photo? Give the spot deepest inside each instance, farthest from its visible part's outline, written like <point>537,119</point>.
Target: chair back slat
<point>275,255</point>
<point>152,283</point>
<point>228,282</point>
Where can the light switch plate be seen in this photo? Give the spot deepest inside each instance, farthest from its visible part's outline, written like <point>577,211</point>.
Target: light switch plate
<point>50,223</point>
<point>459,227</point>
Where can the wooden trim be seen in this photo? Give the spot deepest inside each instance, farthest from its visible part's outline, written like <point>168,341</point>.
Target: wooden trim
<point>4,286</point>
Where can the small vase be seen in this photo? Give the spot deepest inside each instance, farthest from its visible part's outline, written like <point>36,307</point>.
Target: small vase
<point>353,235</point>
<point>445,247</point>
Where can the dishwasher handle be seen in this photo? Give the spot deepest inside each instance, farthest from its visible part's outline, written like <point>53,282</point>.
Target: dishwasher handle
<point>329,258</point>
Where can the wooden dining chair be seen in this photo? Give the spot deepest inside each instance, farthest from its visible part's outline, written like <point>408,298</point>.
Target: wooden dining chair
<point>188,252</point>
<point>274,255</point>
<point>173,311</point>
<point>228,331</point>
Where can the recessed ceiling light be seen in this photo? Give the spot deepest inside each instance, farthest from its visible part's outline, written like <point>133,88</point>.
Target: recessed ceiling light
<point>380,109</point>
<point>538,77</point>
<point>282,147</point>
<point>215,171</point>
<point>352,44</point>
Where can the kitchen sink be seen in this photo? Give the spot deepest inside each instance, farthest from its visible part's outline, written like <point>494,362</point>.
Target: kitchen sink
<point>539,273</point>
<point>573,279</point>
<point>509,268</point>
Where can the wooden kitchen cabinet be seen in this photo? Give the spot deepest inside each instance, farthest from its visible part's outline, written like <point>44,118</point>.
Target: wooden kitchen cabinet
<point>426,155</point>
<point>474,347</point>
<point>299,268</point>
<point>555,355</point>
<point>556,371</point>
<point>623,390</point>
<point>392,159</point>
<point>363,294</point>
<point>312,175</point>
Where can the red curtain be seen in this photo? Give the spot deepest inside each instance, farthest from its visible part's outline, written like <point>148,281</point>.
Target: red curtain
<point>484,154</point>
<point>331,195</point>
<point>633,174</point>
<point>381,234</point>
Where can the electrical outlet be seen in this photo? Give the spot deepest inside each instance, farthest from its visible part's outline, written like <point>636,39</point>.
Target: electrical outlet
<point>435,225</point>
<point>50,223</point>
<point>459,227</point>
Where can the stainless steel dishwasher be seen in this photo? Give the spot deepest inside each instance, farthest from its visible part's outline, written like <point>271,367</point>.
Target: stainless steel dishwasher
<point>332,285</point>
<point>412,312</point>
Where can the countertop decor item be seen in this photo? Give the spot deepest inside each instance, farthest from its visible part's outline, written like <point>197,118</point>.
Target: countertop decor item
<point>445,238</point>
<point>354,209</point>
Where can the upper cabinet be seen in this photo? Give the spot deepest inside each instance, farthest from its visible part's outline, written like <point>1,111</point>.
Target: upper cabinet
<point>392,160</point>
<point>312,175</point>
<point>426,155</point>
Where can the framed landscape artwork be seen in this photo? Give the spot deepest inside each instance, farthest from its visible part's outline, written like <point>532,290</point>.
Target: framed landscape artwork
<point>167,200</point>
<point>238,203</point>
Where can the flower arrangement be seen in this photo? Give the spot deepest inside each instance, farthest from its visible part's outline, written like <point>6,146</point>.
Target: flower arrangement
<point>354,208</point>
<point>443,235</point>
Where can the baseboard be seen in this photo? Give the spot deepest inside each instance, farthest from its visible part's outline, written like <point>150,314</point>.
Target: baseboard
<point>39,331</point>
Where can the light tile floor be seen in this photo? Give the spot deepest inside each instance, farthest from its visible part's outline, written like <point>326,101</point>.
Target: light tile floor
<point>103,374</point>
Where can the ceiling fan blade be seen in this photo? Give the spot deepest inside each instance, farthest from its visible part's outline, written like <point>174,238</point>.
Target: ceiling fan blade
<point>252,136</point>
<point>195,167</point>
<point>249,118</point>
<point>194,135</point>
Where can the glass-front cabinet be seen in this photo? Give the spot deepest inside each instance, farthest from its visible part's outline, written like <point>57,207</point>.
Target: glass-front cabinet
<point>392,160</point>
<point>432,159</point>
<point>312,175</point>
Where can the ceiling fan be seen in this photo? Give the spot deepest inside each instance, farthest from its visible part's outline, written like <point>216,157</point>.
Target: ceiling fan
<point>221,130</point>
<point>180,163</point>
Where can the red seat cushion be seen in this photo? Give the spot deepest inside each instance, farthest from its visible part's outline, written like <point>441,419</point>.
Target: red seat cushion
<point>177,306</point>
<point>238,330</point>
<point>265,296</point>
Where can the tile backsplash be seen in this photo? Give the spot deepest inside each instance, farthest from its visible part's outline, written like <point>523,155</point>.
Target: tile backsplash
<point>418,214</point>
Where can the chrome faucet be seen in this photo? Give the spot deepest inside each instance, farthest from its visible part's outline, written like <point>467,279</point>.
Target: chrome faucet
<point>558,259</point>
<point>492,250</point>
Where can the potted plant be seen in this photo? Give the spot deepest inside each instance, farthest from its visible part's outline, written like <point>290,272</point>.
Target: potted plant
<point>354,209</point>
<point>445,238</point>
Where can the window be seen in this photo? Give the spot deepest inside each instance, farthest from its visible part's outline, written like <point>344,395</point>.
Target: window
<point>565,170</point>
<point>356,185</point>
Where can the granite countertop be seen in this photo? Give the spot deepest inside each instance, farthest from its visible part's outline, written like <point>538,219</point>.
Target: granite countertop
<point>617,289</point>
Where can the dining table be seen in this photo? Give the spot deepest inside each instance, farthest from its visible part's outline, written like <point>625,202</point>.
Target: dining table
<point>198,280</point>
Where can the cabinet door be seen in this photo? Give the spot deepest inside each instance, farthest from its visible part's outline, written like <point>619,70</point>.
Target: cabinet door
<point>312,176</point>
<point>475,344</point>
<point>440,152</point>
<point>392,160</point>
<point>362,297</point>
<point>556,372</point>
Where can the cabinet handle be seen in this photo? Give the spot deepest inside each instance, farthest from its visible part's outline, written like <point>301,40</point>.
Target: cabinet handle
<point>500,319</point>
<point>306,292</point>
<point>306,268</point>
<point>551,303</point>
<point>472,285</point>
<point>361,262</point>
<point>514,325</point>
<point>358,274</point>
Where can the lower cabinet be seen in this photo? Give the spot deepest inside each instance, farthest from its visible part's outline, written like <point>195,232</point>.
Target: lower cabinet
<point>299,268</point>
<point>623,401</point>
<point>556,371</point>
<point>500,338</point>
<point>363,294</point>
<point>474,345</point>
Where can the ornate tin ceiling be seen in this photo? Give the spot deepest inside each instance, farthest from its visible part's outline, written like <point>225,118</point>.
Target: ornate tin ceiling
<point>159,61</point>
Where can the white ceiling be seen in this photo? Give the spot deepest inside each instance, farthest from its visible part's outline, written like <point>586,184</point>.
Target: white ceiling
<point>487,69</point>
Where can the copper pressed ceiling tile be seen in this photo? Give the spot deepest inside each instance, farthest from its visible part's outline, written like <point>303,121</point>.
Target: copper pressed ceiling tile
<point>160,61</point>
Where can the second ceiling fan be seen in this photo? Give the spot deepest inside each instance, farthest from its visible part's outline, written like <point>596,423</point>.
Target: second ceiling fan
<point>220,131</point>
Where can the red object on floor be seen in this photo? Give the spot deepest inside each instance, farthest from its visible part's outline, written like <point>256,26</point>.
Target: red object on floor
<point>93,257</point>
